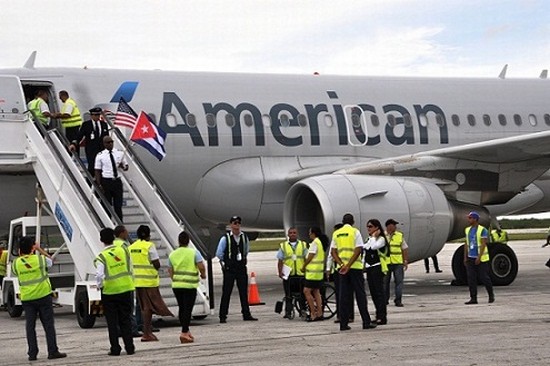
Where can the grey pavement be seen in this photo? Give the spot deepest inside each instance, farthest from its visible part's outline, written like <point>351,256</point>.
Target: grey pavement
<point>433,328</point>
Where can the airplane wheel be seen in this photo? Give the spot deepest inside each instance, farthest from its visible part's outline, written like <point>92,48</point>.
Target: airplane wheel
<point>85,320</point>
<point>15,311</point>
<point>503,264</point>
<point>459,270</point>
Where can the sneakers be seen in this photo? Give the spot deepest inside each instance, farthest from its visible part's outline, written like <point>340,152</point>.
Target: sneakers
<point>57,355</point>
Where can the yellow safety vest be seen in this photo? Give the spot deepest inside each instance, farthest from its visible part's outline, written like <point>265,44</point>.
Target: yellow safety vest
<point>75,120</point>
<point>31,270</point>
<point>3,263</point>
<point>118,270</point>
<point>34,106</point>
<point>119,243</point>
<point>289,254</point>
<point>345,244</point>
<point>485,256</point>
<point>184,267</point>
<point>502,238</point>
<point>396,253</point>
<point>315,270</point>
<point>145,275</point>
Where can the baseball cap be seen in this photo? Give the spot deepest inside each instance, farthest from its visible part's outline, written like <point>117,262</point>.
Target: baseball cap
<point>473,215</point>
<point>391,222</point>
<point>234,218</point>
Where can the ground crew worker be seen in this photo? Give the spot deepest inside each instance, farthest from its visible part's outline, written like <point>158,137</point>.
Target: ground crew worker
<point>346,248</point>
<point>476,258</point>
<point>292,254</point>
<point>397,263</point>
<point>39,107</point>
<point>185,266</point>
<point>499,236</point>
<point>71,120</point>
<point>114,278</point>
<point>314,270</point>
<point>3,263</point>
<point>36,295</point>
<point>145,260</point>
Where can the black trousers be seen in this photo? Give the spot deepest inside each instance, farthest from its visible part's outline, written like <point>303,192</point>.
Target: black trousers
<point>427,263</point>
<point>71,133</point>
<point>294,285</point>
<point>40,308</point>
<point>186,300</point>
<point>480,271</point>
<point>118,310</point>
<point>230,275</point>
<point>375,279</point>
<point>353,281</point>
<point>112,189</point>
<point>337,293</point>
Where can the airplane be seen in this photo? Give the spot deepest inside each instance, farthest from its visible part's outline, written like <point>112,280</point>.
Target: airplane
<point>302,150</point>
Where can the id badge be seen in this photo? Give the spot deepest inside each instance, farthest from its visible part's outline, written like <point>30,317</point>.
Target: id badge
<point>239,257</point>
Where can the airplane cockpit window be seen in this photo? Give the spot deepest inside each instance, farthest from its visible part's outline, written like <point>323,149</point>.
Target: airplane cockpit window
<point>230,120</point>
<point>329,122</point>
<point>266,120</point>
<point>302,120</point>
<point>408,120</point>
<point>455,119</point>
<point>248,120</point>
<point>533,120</point>
<point>547,119</point>
<point>375,120</point>
<point>171,120</point>
<point>502,119</point>
<point>471,120</point>
<point>487,120</point>
<point>210,120</point>
<point>517,119</point>
<point>285,120</point>
<point>391,120</point>
<point>191,120</point>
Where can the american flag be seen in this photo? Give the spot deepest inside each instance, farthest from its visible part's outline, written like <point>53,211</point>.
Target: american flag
<point>125,115</point>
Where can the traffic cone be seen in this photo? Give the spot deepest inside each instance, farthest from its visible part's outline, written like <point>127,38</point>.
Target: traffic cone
<point>253,294</point>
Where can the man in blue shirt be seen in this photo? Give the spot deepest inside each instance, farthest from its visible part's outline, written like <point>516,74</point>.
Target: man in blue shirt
<point>476,258</point>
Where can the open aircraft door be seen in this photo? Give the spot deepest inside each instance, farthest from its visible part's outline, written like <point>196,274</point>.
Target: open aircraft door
<point>12,99</point>
<point>12,116</point>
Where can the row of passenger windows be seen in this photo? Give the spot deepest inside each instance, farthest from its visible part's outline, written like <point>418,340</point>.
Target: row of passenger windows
<point>356,120</point>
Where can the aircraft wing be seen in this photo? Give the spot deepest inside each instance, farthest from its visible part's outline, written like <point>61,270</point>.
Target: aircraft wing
<point>503,166</point>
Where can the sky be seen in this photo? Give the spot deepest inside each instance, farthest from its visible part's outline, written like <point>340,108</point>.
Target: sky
<point>366,37</point>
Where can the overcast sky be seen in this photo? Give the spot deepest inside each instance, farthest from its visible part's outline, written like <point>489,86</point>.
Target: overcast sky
<point>366,37</point>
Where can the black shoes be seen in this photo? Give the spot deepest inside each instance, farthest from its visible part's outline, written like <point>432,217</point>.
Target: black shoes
<point>223,320</point>
<point>57,355</point>
<point>471,302</point>
<point>381,321</point>
<point>112,353</point>
<point>130,351</point>
<point>399,304</point>
<point>438,271</point>
<point>342,329</point>
<point>491,299</point>
<point>249,318</point>
<point>32,358</point>
<point>137,335</point>
<point>371,325</point>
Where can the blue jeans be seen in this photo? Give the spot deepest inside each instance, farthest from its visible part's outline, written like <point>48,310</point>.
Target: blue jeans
<point>42,308</point>
<point>398,276</point>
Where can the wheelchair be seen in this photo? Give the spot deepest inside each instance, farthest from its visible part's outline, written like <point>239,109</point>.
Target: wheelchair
<point>299,306</point>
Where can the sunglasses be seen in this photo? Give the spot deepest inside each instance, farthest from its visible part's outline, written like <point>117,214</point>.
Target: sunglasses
<point>370,226</point>
<point>236,222</point>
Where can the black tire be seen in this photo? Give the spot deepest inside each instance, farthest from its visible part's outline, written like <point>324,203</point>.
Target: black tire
<point>83,317</point>
<point>199,317</point>
<point>15,311</point>
<point>459,270</point>
<point>503,264</point>
<point>328,294</point>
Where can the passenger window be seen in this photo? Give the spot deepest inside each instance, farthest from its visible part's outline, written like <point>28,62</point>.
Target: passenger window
<point>285,121</point>
<point>302,120</point>
<point>355,120</point>
<point>266,120</point>
<point>210,120</point>
<point>455,119</point>
<point>191,120</point>
<point>517,119</point>
<point>408,120</point>
<point>502,119</point>
<point>423,120</point>
<point>533,120</point>
<point>471,120</point>
<point>487,120</point>
<point>547,119</point>
<point>374,120</point>
<point>439,120</point>
<point>248,120</point>
<point>230,120</point>
<point>391,120</point>
<point>171,120</point>
<point>329,122</point>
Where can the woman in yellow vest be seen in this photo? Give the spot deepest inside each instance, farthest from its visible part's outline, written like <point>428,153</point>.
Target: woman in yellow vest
<point>145,260</point>
<point>185,265</point>
<point>314,269</point>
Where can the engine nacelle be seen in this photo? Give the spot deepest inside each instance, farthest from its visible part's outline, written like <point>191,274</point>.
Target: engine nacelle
<point>427,218</point>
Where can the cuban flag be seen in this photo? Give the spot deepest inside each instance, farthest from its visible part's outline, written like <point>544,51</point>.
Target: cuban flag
<point>148,135</point>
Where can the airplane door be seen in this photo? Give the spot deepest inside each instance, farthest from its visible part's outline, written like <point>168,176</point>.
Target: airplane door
<point>12,99</point>
<point>356,125</point>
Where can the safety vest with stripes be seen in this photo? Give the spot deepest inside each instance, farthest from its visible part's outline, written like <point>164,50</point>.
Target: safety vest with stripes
<point>485,256</point>
<point>145,275</point>
<point>294,258</point>
<point>184,268</point>
<point>3,263</point>
<point>75,119</point>
<point>345,244</point>
<point>34,106</point>
<point>32,273</point>
<point>118,270</point>
<point>315,270</point>
<point>396,253</point>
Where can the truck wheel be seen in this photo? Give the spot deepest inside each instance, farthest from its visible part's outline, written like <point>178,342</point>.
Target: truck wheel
<point>15,311</point>
<point>503,264</point>
<point>85,320</point>
<point>459,270</point>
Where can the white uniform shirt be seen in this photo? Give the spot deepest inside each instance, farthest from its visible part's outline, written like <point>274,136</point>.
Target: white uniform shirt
<point>103,163</point>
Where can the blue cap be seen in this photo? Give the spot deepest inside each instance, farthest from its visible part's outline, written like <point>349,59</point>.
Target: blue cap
<point>474,215</point>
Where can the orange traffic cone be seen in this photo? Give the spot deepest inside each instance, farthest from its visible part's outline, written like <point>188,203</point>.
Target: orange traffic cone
<point>253,294</point>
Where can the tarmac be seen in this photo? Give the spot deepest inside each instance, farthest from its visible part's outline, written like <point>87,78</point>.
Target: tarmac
<point>433,328</point>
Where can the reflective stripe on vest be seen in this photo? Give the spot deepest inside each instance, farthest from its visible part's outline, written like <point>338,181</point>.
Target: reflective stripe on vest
<point>118,270</point>
<point>75,119</point>
<point>289,253</point>
<point>184,268</point>
<point>315,270</point>
<point>3,263</point>
<point>396,253</point>
<point>34,106</point>
<point>499,238</point>
<point>345,244</point>
<point>485,256</point>
<point>33,278</point>
<point>145,274</point>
